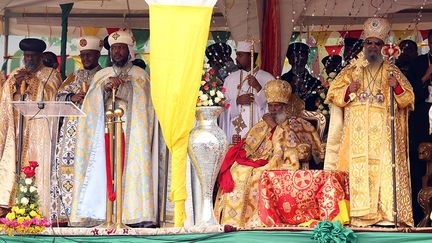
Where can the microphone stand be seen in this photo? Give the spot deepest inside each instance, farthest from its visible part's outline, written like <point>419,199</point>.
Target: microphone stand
<point>21,129</point>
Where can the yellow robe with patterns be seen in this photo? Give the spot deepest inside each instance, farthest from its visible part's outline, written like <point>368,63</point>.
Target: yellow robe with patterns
<point>37,142</point>
<point>240,207</point>
<point>365,145</point>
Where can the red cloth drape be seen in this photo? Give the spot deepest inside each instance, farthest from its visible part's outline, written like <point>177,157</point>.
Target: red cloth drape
<point>271,43</point>
<point>235,154</point>
<point>110,189</point>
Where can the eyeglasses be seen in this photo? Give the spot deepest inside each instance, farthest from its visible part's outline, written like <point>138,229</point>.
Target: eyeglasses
<point>377,43</point>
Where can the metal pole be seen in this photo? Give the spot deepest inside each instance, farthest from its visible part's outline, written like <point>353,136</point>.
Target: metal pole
<point>393,152</point>
<point>119,169</point>
<point>165,187</point>
<point>6,42</point>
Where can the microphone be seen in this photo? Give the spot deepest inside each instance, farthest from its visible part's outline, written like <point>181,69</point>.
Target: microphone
<point>41,104</point>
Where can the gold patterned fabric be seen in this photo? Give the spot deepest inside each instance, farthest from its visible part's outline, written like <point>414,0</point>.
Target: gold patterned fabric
<point>365,145</point>
<point>36,137</point>
<point>239,207</point>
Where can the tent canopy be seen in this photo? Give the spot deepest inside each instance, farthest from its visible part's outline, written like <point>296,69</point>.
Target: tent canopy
<point>243,18</point>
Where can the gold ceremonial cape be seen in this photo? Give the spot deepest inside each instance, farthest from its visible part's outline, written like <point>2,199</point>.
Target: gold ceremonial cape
<point>36,139</point>
<point>90,188</point>
<point>240,207</point>
<point>365,145</point>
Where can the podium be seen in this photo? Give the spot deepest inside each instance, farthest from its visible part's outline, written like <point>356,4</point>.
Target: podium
<point>50,109</point>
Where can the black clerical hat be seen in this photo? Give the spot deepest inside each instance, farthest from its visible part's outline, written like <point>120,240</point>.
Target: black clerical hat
<point>331,59</point>
<point>106,44</point>
<point>297,47</point>
<point>32,44</point>
<point>218,51</point>
<point>349,41</point>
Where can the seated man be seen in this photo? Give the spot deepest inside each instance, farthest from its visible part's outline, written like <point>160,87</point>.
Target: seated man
<point>277,141</point>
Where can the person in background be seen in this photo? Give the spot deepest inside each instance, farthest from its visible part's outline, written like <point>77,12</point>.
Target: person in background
<point>304,85</point>
<point>245,93</point>
<point>219,58</point>
<point>49,59</point>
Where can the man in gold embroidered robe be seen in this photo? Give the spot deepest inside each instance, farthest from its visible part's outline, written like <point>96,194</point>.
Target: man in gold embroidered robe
<point>74,89</point>
<point>30,83</point>
<point>360,136</point>
<point>133,96</point>
<point>276,142</point>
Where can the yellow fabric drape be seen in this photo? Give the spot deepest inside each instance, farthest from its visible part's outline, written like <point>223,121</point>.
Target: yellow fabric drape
<point>177,43</point>
<point>90,31</point>
<point>77,61</point>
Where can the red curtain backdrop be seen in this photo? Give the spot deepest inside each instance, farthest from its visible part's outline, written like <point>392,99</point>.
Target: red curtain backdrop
<point>270,48</point>
<point>424,34</point>
<point>351,33</point>
<point>334,50</point>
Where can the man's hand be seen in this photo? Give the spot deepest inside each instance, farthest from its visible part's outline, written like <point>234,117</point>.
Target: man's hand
<point>236,139</point>
<point>253,82</point>
<point>354,86</point>
<point>20,76</point>
<point>392,81</point>
<point>268,118</point>
<point>303,152</point>
<point>245,99</point>
<point>114,82</point>
<point>428,74</point>
<point>78,98</point>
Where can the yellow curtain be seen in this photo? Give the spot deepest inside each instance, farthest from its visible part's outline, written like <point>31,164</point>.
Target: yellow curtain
<point>177,44</point>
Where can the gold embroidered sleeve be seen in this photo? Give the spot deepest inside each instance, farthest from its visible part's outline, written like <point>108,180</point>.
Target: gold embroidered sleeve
<point>337,90</point>
<point>406,98</point>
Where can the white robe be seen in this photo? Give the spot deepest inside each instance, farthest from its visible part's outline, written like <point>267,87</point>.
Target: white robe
<point>259,105</point>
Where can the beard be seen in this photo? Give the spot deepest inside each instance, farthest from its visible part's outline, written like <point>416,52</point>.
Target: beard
<point>120,62</point>
<point>280,117</point>
<point>373,56</point>
<point>30,65</point>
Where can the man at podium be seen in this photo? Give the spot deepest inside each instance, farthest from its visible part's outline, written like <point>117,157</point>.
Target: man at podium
<point>33,82</point>
<point>132,94</point>
<point>74,89</point>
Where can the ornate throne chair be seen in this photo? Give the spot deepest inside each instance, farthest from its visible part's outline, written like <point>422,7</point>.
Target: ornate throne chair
<point>296,107</point>
<point>424,197</point>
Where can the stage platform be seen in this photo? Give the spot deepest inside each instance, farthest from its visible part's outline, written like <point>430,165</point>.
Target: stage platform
<point>216,234</point>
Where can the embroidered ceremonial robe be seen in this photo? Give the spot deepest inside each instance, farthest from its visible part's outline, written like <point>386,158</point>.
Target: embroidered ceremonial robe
<point>37,139</point>
<point>90,188</point>
<point>62,174</point>
<point>360,142</point>
<point>278,148</point>
<point>258,107</point>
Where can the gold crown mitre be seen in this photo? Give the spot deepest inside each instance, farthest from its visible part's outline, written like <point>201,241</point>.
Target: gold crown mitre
<point>376,27</point>
<point>278,91</point>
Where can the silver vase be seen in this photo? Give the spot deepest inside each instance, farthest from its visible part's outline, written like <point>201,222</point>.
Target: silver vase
<point>207,147</point>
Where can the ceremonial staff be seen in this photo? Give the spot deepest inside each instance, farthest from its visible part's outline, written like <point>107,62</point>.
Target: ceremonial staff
<point>391,52</point>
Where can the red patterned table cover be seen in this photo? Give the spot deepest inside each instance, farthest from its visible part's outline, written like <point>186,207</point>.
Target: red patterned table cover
<point>295,197</point>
